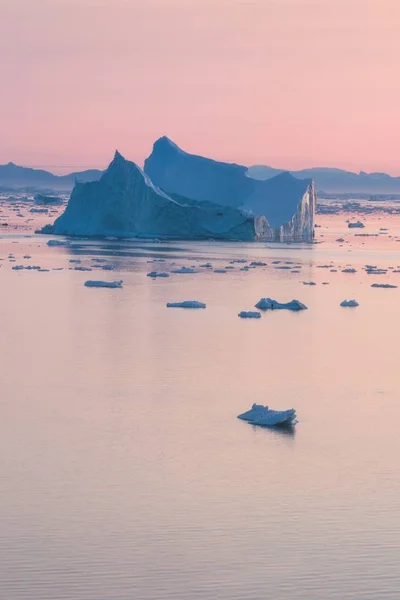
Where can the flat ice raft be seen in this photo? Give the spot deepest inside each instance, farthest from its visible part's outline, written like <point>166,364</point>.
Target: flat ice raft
<point>104,284</point>
<point>186,304</point>
<point>264,416</point>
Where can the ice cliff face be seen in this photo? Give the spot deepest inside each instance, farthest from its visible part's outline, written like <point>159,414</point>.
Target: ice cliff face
<point>284,206</point>
<point>124,202</point>
<point>197,177</point>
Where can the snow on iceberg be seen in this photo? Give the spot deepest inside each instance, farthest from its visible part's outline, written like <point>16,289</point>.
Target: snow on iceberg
<point>249,314</point>
<point>186,304</point>
<point>269,304</point>
<point>349,303</point>
<point>104,284</point>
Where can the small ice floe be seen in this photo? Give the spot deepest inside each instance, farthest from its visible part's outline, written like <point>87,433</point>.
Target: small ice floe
<point>383,285</point>
<point>99,260</point>
<point>349,270</point>
<point>206,266</point>
<point>108,267</point>
<point>309,283</point>
<point>276,262</point>
<point>264,416</point>
<point>183,270</point>
<point>43,211</point>
<point>324,266</point>
<point>249,314</point>
<point>104,284</point>
<point>295,271</point>
<point>283,267</point>
<point>355,224</point>
<point>186,304</point>
<point>349,303</point>
<point>375,271</point>
<point>269,304</point>
<point>258,263</point>
<point>78,268</point>
<point>341,240</point>
<point>155,274</point>
<point>220,271</point>
<point>43,270</point>
<point>74,260</point>
<point>238,261</point>
<point>58,243</point>
<point>27,256</point>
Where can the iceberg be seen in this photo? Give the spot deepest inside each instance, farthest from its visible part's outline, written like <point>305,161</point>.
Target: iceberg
<point>183,270</point>
<point>48,200</point>
<point>248,314</point>
<point>266,417</point>
<point>104,284</point>
<point>356,224</point>
<point>283,206</point>
<point>349,303</point>
<point>269,304</point>
<point>349,270</point>
<point>125,203</point>
<point>155,274</point>
<point>186,304</point>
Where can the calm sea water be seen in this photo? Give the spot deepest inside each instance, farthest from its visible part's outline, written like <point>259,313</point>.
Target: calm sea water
<point>125,473</point>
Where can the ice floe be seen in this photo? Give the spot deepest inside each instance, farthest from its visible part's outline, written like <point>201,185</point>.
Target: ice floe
<point>186,304</point>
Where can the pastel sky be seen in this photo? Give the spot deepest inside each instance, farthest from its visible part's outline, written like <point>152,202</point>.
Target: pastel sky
<point>291,83</point>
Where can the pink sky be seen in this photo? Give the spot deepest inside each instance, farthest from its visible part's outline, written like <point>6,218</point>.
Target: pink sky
<point>291,83</point>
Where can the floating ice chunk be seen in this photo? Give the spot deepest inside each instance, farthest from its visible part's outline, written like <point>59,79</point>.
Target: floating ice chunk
<point>183,270</point>
<point>155,274</point>
<point>258,263</point>
<point>39,210</point>
<point>383,285</point>
<point>82,268</point>
<point>309,283</point>
<point>58,243</point>
<point>43,270</point>
<point>349,270</point>
<point>249,314</point>
<point>186,304</point>
<point>238,260</point>
<point>74,260</point>
<point>27,256</point>
<point>262,415</point>
<point>108,267</point>
<point>206,266</point>
<point>220,271</point>
<point>106,284</point>
<point>349,303</point>
<point>99,260</point>
<point>356,224</point>
<point>340,240</point>
<point>268,303</point>
<point>18,268</point>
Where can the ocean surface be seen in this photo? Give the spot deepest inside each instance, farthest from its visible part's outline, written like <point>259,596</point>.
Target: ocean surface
<point>124,472</point>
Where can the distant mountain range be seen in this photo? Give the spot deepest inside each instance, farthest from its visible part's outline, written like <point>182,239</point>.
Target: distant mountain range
<point>328,180</point>
<point>336,181</point>
<point>15,177</point>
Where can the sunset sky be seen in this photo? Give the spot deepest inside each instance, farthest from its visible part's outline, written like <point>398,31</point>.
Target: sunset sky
<point>290,83</point>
